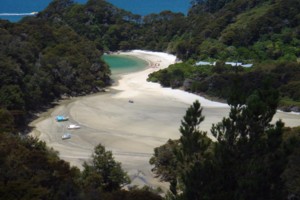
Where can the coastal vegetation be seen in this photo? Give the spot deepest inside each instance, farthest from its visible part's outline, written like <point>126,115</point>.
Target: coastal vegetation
<point>30,170</point>
<point>217,81</point>
<point>58,53</point>
<point>40,62</point>
<point>264,33</point>
<point>250,159</point>
<point>245,30</point>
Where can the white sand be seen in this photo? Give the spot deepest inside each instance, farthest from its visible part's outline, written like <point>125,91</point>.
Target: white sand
<point>130,130</point>
<point>136,83</point>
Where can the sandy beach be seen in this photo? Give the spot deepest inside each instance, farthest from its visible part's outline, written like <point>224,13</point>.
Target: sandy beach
<point>130,130</point>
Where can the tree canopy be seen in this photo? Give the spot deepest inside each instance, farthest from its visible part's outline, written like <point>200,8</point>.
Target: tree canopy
<point>250,159</point>
<point>58,53</point>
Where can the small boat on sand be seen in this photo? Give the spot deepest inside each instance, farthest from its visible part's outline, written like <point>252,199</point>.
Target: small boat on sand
<point>61,118</point>
<point>73,126</point>
<point>66,136</point>
<point>131,101</point>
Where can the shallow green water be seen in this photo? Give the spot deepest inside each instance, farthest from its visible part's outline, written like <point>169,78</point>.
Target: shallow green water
<point>121,64</point>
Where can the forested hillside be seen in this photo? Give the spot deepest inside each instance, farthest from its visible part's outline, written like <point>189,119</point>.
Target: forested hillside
<point>254,30</point>
<point>112,29</point>
<point>30,170</point>
<point>217,81</point>
<point>264,33</point>
<point>41,61</point>
<point>243,30</point>
<point>58,53</point>
<point>250,159</point>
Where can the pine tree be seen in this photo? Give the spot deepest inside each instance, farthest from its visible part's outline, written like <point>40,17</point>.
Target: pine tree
<point>178,161</point>
<point>248,152</point>
<point>104,173</point>
<point>193,153</point>
<point>192,140</point>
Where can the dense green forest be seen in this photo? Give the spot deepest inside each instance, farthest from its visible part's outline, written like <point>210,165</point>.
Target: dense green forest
<point>264,33</point>
<point>247,30</point>
<point>58,53</point>
<point>253,30</point>
<point>41,61</point>
<point>217,81</point>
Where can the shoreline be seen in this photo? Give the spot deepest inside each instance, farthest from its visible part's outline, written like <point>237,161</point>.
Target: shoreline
<point>130,130</point>
<point>157,61</point>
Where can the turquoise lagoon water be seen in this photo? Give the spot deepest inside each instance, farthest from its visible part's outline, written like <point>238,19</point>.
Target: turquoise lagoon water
<point>14,10</point>
<point>121,64</point>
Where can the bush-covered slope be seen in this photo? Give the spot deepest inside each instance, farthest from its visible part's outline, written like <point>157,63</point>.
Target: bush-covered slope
<point>58,52</point>
<point>253,30</point>
<point>218,81</point>
<point>263,32</point>
<point>30,170</point>
<point>111,28</point>
<point>41,61</point>
<point>257,29</point>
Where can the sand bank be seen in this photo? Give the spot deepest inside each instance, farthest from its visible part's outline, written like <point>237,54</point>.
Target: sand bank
<point>130,130</point>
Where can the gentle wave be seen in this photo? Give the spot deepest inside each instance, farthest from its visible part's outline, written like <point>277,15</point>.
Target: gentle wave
<point>18,14</point>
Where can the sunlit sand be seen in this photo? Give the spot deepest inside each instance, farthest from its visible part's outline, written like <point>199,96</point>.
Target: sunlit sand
<point>131,130</point>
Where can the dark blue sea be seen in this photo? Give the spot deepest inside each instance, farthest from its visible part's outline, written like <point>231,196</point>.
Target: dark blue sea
<point>14,10</point>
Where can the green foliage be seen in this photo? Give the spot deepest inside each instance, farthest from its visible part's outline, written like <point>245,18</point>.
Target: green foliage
<point>193,150</point>
<point>103,173</point>
<point>210,5</point>
<point>291,173</point>
<point>219,80</point>
<point>166,164</point>
<point>191,138</point>
<point>175,160</point>
<point>11,97</point>
<point>29,170</point>
<point>175,75</point>
<point>246,147</point>
<point>41,61</point>
<point>133,194</point>
<point>58,52</point>
<point>259,30</point>
<point>287,104</point>
<point>251,158</point>
<point>7,121</point>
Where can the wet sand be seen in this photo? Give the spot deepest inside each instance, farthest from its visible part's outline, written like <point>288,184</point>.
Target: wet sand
<point>130,130</point>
